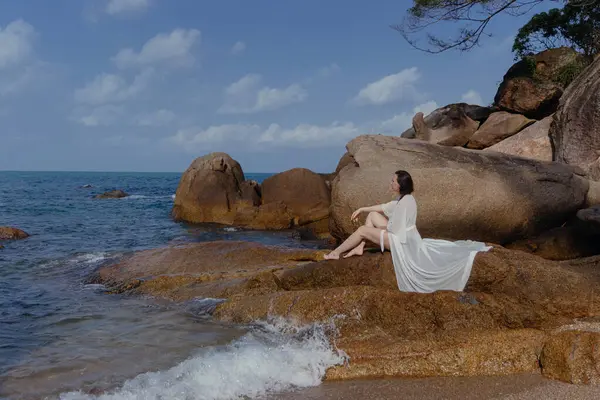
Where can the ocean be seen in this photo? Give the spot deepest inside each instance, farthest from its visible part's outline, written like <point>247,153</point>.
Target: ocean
<point>61,338</point>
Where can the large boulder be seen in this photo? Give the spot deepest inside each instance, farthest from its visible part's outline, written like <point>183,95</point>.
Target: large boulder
<point>304,192</point>
<point>209,190</point>
<point>575,130</point>
<point>532,142</point>
<point>573,355</point>
<point>533,86</point>
<point>499,126</point>
<point>511,305</point>
<point>450,118</point>
<point>213,190</point>
<point>461,194</point>
<point>10,233</point>
<point>457,132</point>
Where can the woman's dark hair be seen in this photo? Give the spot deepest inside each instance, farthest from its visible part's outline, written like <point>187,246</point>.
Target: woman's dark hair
<point>405,181</point>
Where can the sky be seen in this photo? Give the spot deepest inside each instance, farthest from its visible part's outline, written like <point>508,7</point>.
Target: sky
<point>149,85</point>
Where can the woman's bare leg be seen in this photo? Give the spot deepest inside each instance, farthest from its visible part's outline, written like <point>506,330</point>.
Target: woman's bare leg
<point>362,233</point>
<point>374,220</point>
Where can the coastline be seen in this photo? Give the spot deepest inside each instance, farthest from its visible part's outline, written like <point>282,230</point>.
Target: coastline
<point>508,387</point>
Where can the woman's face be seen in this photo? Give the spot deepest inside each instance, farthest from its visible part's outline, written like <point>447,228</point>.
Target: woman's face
<point>394,186</point>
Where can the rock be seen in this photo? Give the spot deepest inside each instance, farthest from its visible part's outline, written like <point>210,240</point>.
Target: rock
<point>318,230</point>
<point>10,233</point>
<point>209,190</point>
<point>532,142</point>
<point>593,196</point>
<point>573,357</point>
<point>529,97</point>
<point>422,131</point>
<point>304,192</point>
<point>250,193</point>
<point>591,217</point>
<point>534,85</point>
<point>184,272</point>
<point>459,130</point>
<point>579,237</point>
<point>451,115</point>
<point>499,126</point>
<point>345,160</point>
<point>213,190</point>
<point>562,243</point>
<point>272,216</point>
<point>461,194</point>
<point>575,130</point>
<point>499,325</point>
<point>112,194</point>
<point>478,354</point>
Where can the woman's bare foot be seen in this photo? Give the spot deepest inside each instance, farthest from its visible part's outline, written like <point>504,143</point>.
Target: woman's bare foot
<point>357,251</point>
<point>332,256</point>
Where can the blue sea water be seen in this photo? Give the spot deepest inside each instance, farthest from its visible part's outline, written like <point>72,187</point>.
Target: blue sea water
<point>63,338</point>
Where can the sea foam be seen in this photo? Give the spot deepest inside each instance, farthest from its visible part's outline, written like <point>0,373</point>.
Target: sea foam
<point>272,357</point>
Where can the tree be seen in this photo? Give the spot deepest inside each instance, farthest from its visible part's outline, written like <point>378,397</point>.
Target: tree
<point>576,27</point>
<point>473,16</point>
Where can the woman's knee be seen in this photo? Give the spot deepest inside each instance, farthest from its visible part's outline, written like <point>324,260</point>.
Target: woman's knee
<point>369,220</point>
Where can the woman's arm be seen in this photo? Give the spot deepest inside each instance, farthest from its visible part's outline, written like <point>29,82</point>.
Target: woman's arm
<point>376,208</point>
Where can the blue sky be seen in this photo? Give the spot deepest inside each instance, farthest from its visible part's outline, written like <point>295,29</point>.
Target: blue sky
<point>148,85</point>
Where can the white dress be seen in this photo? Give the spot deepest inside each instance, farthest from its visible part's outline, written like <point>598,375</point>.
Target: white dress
<point>425,265</point>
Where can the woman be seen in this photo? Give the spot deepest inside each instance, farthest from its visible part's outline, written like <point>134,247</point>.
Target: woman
<point>421,265</point>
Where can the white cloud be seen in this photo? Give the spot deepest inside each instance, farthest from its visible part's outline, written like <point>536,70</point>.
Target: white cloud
<point>238,48</point>
<point>191,138</point>
<point>105,115</point>
<point>401,122</point>
<point>322,73</point>
<point>306,135</point>
<point>21,70</point>
<point>328,70</point>
<point>389,88</point>
<point>303,135</point>
<point>157,118</point>
<point>472,97</point>
<point>115,7</point>
<point>173,49</point>
<point>254,137</point>
<point>32,75</point>
<point>107,88</point>
<point>271,99</point>
<point>246,96</point>
<point>111,114</point>
<point>16,43</point>
<point>244,85</point>
<point>426,108</point>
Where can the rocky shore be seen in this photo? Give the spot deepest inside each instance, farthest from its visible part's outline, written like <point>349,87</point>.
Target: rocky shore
<point>516,315</point>
<point>521,175</point>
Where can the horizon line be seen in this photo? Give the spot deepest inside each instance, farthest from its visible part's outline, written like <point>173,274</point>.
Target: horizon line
<point>128,172</point>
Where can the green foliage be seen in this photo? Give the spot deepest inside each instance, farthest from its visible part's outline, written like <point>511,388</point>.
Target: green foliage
<point>569,72</point>
<point>529,66</point>
<point>573,26</point>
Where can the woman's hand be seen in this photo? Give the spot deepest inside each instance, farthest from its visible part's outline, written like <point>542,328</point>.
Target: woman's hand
<point>355,214</point>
